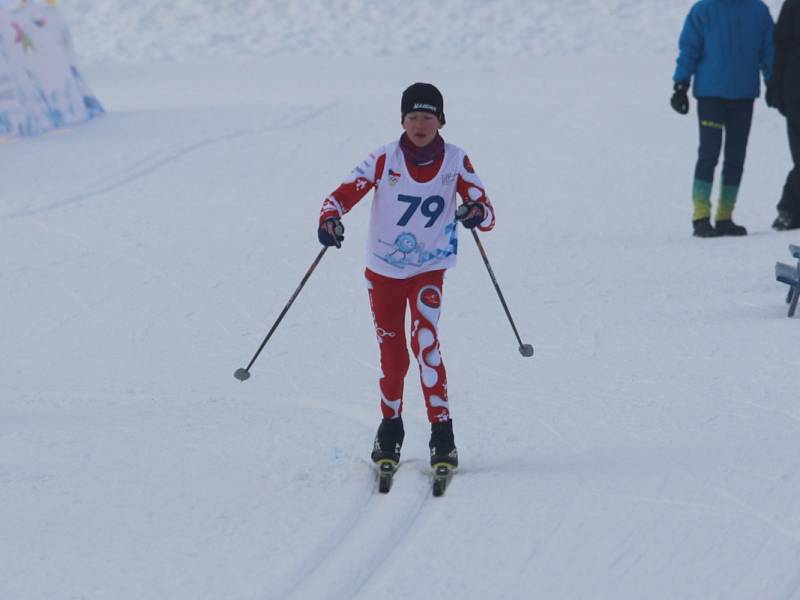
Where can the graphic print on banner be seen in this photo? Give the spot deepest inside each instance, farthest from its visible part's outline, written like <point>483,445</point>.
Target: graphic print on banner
<point>10,111</point>
<point>40,85</point>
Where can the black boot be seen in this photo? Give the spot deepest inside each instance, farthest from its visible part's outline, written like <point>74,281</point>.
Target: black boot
<point>728,227</point>
<point>703,228</point>
<point>388,440</point>
<point>784,221</point>
<point>443,445</point>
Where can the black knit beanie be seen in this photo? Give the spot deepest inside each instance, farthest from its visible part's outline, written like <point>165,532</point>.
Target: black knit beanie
<point>422,97</point>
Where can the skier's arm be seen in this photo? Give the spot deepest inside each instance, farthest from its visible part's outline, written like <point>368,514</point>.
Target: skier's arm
<point>470,188</point>
<point>361,180</point>
<point>690,45</point>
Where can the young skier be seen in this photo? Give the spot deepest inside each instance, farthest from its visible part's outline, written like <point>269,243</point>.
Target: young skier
<point>412,240</point>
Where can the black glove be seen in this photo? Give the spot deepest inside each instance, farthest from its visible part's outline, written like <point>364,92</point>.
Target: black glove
<point>471,214</point>
<point>774,97</point>
<point>680,99</point>
<point>331,232</point>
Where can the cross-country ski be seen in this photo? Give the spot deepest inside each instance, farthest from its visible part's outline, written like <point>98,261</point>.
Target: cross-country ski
<point>386,470</point>
<point>442,473</point>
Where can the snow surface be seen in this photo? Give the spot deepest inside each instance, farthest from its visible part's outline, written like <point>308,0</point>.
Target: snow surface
<point>647,451</point>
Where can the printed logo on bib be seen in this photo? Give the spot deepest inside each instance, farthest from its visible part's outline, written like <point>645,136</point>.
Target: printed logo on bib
<point>407,251</point>
<point>394,177</point>
<point>449,178</point>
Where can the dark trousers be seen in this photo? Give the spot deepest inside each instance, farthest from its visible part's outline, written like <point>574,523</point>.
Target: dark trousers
<point>790,200</point>
<point>734,117</point>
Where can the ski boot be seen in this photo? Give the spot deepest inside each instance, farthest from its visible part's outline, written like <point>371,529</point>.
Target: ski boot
<point>386,451</point>
<point>444,456</point>
<point>785,221</point>
<point>443,445</point>
<point>728,227</point>
<point>702,228</point>
<point>388,441</point>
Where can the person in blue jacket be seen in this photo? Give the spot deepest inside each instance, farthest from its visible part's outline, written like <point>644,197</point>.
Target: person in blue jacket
<point>723,46</point>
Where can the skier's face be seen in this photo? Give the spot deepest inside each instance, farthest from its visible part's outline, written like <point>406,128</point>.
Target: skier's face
<point>421,127</point>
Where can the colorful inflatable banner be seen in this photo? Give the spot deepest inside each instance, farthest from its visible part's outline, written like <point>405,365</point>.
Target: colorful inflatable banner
<point>41,87</point>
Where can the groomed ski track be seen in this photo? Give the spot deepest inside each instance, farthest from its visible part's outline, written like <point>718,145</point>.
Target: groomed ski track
<point>648,450</point>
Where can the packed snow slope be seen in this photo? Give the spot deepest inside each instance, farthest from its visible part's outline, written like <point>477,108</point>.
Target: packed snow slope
<point>648,450</point>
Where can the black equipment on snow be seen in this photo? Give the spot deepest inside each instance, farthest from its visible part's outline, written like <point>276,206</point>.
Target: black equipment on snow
<point>785,221</point>
<point>386,451</point>
<point>386,470</point>
<point>442,474</point>
<point>388,440</point>
<point>703,228</point>
<point>524,349</point>
<point>443,445</point>
<point>728,227</point>
<point>244,374</point>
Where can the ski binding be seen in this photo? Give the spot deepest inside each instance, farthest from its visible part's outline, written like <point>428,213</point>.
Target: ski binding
<point>386,471</point>
<point>442,474</point>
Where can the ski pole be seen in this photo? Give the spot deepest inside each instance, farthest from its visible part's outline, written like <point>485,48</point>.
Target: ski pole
<point>244,374</point>
<point>524,349</point>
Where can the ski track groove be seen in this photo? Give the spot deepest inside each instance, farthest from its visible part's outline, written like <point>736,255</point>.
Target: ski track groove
<point>793,588</point>
<point>157,275</point>
<point>746,508</point>
<point>155,162</point>
<point>332,541</point>
<point>146,166</point>
<point>766,520</point>
<point>355,525</point>
<point>393,541</point>
<point>789,416</point>
<point>139,169</point>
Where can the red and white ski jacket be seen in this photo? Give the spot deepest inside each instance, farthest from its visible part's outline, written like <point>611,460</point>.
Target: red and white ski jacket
<point>413,228</point>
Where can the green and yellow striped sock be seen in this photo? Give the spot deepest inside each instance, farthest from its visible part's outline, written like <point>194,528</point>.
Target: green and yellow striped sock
<point>701,199</point>
<point>727,201</point>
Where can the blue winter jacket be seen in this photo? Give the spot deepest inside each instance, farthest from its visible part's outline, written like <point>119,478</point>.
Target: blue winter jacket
<point>723,45</point>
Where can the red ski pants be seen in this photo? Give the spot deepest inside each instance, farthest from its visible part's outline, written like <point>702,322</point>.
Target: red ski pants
<point>388,298</point>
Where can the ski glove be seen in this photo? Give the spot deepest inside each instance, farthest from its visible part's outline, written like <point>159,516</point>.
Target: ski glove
<point>471,214</point>
<point>331,232</point>
<point>680,99</point>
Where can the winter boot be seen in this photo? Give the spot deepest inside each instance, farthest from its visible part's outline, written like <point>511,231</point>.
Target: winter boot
<point>388,440</point>
<point>443,445</point>
<point>728,227</point>
<point>702,228</point>
<point>784,221</point>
